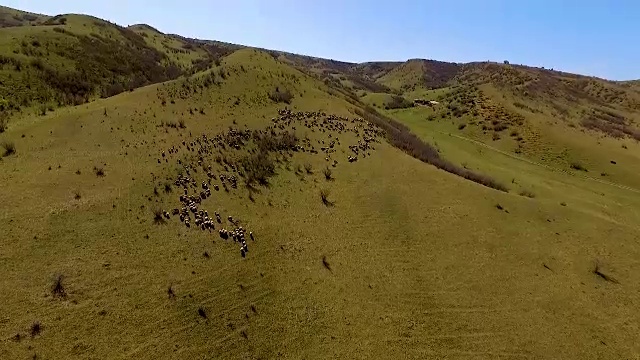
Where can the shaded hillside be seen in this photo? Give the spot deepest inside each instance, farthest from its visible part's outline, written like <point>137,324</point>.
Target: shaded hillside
<point>420,73</point>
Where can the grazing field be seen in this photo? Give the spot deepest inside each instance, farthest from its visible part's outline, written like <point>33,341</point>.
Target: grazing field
<point>251,209</point>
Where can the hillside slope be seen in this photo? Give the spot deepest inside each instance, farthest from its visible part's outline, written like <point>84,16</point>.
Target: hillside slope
<point>11,17</point>
<point>259,207</point>
<point>72,59</point>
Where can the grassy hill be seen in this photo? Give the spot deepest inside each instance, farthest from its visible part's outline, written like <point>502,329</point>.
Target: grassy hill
<point>72,59</point>
<point>11,17</point>
<point>497,223</point>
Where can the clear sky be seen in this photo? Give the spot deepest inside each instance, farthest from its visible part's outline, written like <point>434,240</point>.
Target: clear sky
<point>597,38</point>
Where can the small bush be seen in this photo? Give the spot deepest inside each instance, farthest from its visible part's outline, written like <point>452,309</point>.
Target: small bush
<point>328,174</point>
<point>577,166</point>
<point>308,168</point>
<point>167,187</point>
<point>324,195</point>
<point>258,168</point>
<point>58,289</point>
<point>36,328</point>
<point>202,312</point>
<point>281,96</point>
<point>527,193</point>
<point>462,126</point>
<point>170,293</point>
<point>99,171</point>
<point>398,102</point>
<point>181,124</point>
<point>9,148</point>
<point>158,217</point>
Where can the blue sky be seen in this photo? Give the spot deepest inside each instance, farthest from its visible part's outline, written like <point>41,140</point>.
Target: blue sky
<point>597,38</point>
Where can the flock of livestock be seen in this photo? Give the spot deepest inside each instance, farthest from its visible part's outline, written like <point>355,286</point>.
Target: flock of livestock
<point>201,155</point>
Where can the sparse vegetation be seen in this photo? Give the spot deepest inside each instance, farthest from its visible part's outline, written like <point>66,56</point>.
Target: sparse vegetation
<point>158,217</point>
<point>9,148</point>
<point>202,312</point>
<point>258,168</point>
<point>308,168</point>
<point>398,102</point>
<point>99,171</point>
<point>578,166</point>
<point>527,193</point>
<point>324,195</point>
<point>328,174</point>
<point>35,329</point>
<point>58,289</point>
<point>281,96</point>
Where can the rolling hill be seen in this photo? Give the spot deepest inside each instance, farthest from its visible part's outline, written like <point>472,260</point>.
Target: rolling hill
<point>187,198</point>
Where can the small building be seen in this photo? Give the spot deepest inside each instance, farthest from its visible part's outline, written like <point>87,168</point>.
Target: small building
<point>425,102</point>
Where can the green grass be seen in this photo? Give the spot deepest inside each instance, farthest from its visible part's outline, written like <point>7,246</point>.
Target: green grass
<point>398,259</point>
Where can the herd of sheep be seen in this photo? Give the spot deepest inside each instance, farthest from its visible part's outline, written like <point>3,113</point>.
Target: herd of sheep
<point>210,155</point>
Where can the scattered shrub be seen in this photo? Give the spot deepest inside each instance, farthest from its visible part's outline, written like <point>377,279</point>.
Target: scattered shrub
<point>308,168</point>
<point>35,329</point>
<point>281,96</point>
<point>324,195</point>
<point>58,289</point>
<point>158,217</point>
<point>398,102</point>
<point>258,168</point>
<point>527,193</point>
<point>9,148</point>
<point>328,174</point>
<point>272,142</point>
<point>577,166</point>
<point>202,312</point>
<point>99,171</point>
<point>462,126</point>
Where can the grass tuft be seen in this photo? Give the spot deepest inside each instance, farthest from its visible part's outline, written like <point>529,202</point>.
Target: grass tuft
<point>35,329</point>
<point>158,217</point>
<point>324,195</point>
<point>57,289</point>
<point>9,148</point>
<point>328,174</point>
<point>527,193</point>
